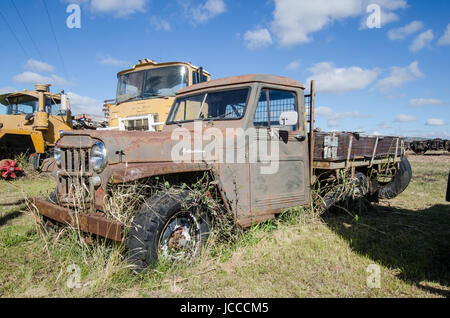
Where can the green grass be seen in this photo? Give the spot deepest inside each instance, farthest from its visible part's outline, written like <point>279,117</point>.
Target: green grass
<point>296,255</point>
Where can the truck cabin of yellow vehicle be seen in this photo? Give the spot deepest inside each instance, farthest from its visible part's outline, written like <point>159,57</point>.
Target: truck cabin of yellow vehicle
<point>146,92</point>
<point>30,121</point>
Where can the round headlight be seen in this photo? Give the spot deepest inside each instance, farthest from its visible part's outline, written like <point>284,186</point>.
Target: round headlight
<point>57,155</point>
<point>98,157</point>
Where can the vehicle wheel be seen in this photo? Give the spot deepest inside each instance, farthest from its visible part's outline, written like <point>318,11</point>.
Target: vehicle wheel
<point>399,183</point>
<point>340,193</point>
<point>164,228</point>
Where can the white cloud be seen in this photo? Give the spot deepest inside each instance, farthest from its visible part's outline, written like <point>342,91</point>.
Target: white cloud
<point>400,76</point>
<point>334,118</point>
<point>403,32</point>
<point>330,79</point>
<point>257,38</point>
<point>84,105</point>
<point>421,41</point>
<point>445,39</point>
<point>405,118</point>
<point>35,78</point>
<point>294,65</point>
<point>159,23</point>
<point>323,111</point>
<point>210,9</point>
<point>295,20</point>
<point>435,122</point>
<point>39,66</point>
<point>118,8</point>
<point>425,101</point>
<point>387,10</point>
<point>109,60</point>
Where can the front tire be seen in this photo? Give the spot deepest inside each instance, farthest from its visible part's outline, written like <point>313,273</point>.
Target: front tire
<point>168,226</point>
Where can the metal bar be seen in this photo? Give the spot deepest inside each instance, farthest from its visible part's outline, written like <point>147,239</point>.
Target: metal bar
<point>69,160</point>
<point>76,160</point>
<point>349,151</point>
<point>83,160</point>
<point>311,135</point>
<point>331,165</point>
<point>396,149</point>
<point>91,223</point>
<point>373,153</point>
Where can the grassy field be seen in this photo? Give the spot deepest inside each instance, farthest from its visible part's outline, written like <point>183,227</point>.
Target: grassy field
<point>297,255</point>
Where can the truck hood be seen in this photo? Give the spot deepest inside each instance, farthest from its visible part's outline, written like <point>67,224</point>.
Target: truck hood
<point>124,146</point>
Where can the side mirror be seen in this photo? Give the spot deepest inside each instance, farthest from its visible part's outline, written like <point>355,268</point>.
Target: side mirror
<point>65,104</point>
<point>29,116</point>
<point>289,118</point>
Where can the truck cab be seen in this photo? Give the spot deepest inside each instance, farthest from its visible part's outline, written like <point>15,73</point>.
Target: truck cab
<point>146,92</point>
<point>32,120</point>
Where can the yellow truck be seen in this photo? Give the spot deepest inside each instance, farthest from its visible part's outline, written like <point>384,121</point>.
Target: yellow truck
<point>30,123</point>
<point>146,92</point>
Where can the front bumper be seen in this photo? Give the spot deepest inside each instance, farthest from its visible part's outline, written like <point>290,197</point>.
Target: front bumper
<point>94,223</point>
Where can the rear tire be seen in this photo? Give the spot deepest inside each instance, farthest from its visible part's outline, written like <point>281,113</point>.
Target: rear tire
<point>164,227</point>
<point>399,183</point>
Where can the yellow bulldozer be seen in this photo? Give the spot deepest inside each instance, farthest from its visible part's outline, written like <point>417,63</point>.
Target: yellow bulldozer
<point>30,122</point>
<point>146,92</point>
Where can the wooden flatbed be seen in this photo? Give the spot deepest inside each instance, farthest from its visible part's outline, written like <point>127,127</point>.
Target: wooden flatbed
<point>337,150</point>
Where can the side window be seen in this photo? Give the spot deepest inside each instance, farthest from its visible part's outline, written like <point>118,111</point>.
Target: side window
<point>270,106</point>
<point>195,79</point>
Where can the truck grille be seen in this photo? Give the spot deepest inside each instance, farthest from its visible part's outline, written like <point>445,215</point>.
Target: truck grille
<point>137,125</point>
<point>75,188</point>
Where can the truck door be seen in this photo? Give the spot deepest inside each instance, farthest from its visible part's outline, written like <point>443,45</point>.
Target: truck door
<point>285,182</point>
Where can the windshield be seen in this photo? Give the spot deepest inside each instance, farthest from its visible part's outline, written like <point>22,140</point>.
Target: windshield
<point>164,81</point>
<point>28,105</point>
<point>21,105</point>
<point>210,106</point>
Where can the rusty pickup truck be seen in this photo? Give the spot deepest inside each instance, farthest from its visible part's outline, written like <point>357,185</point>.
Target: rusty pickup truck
<point>254,134</point>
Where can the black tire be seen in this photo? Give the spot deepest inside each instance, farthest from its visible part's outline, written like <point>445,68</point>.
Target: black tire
<point>399,183</point>
<point>155,219</point>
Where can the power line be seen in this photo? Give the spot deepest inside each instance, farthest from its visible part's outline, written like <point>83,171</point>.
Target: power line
<point>54,36</point>
<point>15,36</point>
<point>26,29</point>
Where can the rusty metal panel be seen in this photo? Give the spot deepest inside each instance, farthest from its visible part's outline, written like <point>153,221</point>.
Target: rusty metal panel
<point>94,223</point>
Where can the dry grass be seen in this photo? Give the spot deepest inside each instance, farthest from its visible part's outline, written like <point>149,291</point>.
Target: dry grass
<point>296,255</point>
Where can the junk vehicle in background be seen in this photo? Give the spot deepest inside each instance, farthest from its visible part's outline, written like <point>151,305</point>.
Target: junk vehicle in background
<point>431,146</point>
<point>146,92</point>
<point>275,109</point>
<point>31,124</point>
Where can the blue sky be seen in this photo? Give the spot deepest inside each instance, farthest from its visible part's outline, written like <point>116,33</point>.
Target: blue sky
<point>388,80</point>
